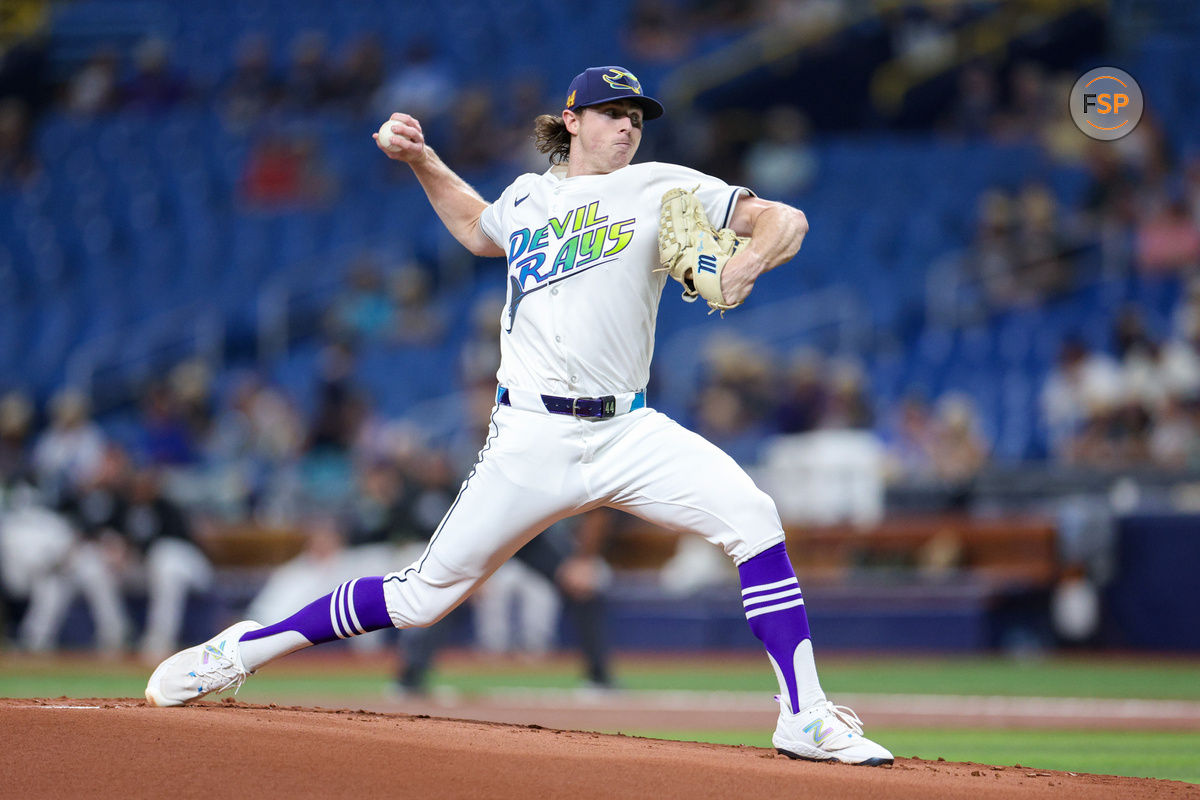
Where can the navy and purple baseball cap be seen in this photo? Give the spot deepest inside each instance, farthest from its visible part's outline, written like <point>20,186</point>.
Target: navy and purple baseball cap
<point>602,84</point>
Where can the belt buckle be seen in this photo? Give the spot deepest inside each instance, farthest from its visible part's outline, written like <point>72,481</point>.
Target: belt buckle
<point>608,407</point>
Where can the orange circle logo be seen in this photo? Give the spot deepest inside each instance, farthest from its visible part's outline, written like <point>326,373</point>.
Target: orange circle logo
<point>1106,103</point>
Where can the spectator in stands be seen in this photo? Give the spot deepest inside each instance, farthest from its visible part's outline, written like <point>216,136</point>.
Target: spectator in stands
<point>95,88</point>
<point>309,83</point>
<point>804,393</point>
<point>363,311</point>
<point>16,432</point>
<point>992,255</point>
<point>1179,362</point>
<point>70,450</point>
<point>475,134</point>
<point>420,84</point>
<point>361,74</point>
<point>252,442</point>
<point>1168,238</point>
<point>88,558</point>
<point>658,31</point>
<point>1030,106</point>
<point>325,468</point>
<point>166,437</point>
<point>479,357</point>
<point>190,384</point>
<point>958,451</point>
<point>18,161</point>
<point>849,404</point>
<point>923,36</point>
<point>721,416</point>
<point>286,171</point>
<point>742,368</point>
<point>1174,441</point>
<point>252,87</point>
<point>781,163</point>
<point>1077,399</point>
<point>910,441</point>
<point>155,85</point>
<point>418,319</point>
<point>977,103</point>
<point>164,549</point>
<point>1043,252</point>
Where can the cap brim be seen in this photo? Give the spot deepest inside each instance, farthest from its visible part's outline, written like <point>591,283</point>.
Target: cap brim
<point>650,107</point>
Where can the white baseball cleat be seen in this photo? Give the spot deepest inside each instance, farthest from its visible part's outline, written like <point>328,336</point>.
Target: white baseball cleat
<point>826,732</point>
<point>213,666</point>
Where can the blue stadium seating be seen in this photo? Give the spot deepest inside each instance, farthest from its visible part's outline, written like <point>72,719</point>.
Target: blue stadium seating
<point>138,216</point>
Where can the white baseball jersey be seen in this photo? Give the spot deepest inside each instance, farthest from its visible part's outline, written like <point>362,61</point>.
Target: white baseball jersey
<point>579,322</point>
<point>582,291</point>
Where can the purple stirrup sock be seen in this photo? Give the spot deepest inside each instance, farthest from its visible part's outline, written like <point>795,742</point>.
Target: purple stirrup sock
<point>775,610</point>
<point>354,608</point>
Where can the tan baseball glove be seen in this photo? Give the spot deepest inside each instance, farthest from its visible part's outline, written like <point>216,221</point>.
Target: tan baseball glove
<point>692,250</point>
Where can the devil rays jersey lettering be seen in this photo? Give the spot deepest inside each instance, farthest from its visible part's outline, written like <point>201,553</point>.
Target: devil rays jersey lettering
<point>582,291</point>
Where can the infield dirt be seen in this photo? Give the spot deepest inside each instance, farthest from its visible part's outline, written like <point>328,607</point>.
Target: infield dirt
<point>108,748</point>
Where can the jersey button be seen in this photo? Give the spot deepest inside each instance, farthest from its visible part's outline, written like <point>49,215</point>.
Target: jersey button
<point>554,290</point>
<point>574,378</point>
<point>558,339</point>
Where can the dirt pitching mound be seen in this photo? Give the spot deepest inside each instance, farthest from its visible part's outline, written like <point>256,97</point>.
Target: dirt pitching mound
<point>122,748</point>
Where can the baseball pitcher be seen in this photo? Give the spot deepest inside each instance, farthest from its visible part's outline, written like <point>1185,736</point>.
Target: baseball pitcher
<point>589,245</point>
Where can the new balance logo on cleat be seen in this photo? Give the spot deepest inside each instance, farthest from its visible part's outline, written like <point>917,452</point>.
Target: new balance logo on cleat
<point>190,674</point>
<point>826,732</point>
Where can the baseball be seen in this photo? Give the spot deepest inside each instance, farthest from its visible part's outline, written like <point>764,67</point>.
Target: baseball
<point>386,137</point>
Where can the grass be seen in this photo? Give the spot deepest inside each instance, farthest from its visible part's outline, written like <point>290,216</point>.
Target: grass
<point>326,673</point>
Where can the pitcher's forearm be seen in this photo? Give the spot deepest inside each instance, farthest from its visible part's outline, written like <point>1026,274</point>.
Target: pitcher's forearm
<point>457,204</point>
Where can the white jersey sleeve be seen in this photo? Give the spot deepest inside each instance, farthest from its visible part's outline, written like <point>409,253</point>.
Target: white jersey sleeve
<point>717,196</point>
<point>494,220</point>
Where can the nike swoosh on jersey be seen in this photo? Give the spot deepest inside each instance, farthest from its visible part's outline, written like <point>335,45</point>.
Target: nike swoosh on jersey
<point>518,202</point>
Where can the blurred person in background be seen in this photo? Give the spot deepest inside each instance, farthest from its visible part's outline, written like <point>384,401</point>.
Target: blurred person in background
<point>81,552</point>
<point>910,441</point>
<point>166,437</point>
<point>658,32</point>
<point>804,394</point>
<point>360,74</point>
<point>1167,239</point>
<point>849,404</point>
<point>958,451</point>
<point>16,436</point>
<point>419,83</point>
<point>95,88</point>
<point>782,162</point>
<point>18,160</point>
<point>253,441</point>
<point>155,85</point>
<point>165,556</point>
<point>1079,392</point>
<point>419,318</point>
<point>69,451</point>
<point>1042,250</point>
<point>16,494</point>
<point>309,83</point>
<point>252,88</point>
<point>363,309</point>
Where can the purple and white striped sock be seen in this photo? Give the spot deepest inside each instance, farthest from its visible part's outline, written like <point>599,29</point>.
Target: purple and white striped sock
<point>775,610</point>
<point>356,607</point>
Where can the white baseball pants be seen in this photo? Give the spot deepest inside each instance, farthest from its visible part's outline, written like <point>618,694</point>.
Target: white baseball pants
<point>537,468</point>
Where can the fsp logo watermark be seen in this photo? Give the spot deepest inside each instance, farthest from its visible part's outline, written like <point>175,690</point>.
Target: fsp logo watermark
<point>1106,103</point>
